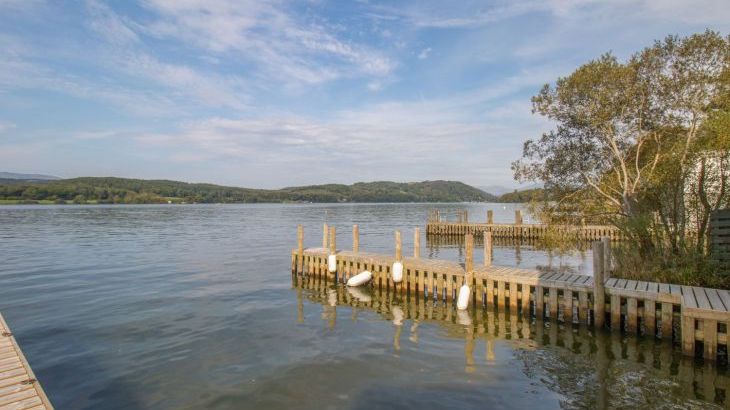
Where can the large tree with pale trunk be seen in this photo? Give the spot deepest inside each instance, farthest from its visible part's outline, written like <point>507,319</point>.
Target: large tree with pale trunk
<point>641,143</point>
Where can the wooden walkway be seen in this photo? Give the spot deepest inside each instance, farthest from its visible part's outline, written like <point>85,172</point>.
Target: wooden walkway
<point>19,388</point>
<point>699,316</point>
<point>517,230</point>
<point>527,231</point>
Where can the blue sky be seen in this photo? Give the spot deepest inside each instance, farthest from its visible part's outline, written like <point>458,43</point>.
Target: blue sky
<point>282,93</point>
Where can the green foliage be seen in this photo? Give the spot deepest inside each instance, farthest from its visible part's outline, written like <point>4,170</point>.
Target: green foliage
<point>643,144</point>
<point>137,191</point>
<point>525,195</point>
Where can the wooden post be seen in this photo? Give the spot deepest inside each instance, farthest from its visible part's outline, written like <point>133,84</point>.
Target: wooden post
<point>300,248</point>
<point>355,238</point>
<point>466,216</point>
<point>417,243</point>
<point>518,217</point>
<point>606,241</point>
<point>487,248</point>
<point>325,230</point>
<point>438,216</point>
<point>688,335</point>
<point>398,247</point>
<point>490,217</point>
<point>599,290</point>
<point>469,259</point>
<point>333,240</point>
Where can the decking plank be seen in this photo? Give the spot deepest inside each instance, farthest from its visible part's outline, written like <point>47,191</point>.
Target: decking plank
<point>15,371</point>
<point>702,301</point>
<point>715,301</point>
<point>725,297</point>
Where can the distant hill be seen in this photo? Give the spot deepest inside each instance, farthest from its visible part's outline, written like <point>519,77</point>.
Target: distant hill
<point>32,177</point>
<point>496,189</point>
<point>525,195</point>
<point>124,190</point>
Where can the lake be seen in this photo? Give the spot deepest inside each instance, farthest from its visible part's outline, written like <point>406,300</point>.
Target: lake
<point>194,306</point>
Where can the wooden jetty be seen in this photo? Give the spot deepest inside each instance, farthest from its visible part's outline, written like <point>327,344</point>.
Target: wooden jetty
<point>696,316</point>
<point>518,229</point>
<point>19,388</point>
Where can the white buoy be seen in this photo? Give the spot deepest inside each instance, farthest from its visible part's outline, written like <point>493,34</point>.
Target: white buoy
<point>332,263</point>
<point>397,272</point>
<point>360,279</point>
<point>463,301</point>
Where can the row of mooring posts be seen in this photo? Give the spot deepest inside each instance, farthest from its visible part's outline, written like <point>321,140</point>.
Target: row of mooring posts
<point>601,262</point>
<point>462,216</point>
<point>329,242</point>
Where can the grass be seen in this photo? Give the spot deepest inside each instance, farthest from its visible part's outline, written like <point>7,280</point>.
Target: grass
<point>689,269</point>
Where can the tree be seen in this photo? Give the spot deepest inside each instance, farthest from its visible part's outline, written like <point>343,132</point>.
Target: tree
<point>629,136</point>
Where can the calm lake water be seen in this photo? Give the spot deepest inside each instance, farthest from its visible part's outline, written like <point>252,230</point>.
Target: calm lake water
<point>194,306</point>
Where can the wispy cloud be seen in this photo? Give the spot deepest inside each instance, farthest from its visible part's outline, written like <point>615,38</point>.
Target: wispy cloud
<point>424,53</point>
<point>451,137</point>
<point>6,126</point>
<point>280,45</point>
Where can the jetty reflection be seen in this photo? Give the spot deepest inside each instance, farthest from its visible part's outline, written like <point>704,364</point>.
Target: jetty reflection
<point>602,364</point>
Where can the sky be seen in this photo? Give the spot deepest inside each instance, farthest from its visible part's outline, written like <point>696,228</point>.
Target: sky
<point>270,94</point>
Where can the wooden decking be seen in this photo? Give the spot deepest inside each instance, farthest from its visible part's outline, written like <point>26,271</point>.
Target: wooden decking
<point>701,316</point>
<point>19,388</point>
<point>527,231</point>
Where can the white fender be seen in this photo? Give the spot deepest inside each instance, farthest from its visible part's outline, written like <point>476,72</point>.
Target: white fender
<point>360,279</point>
<point>332,263</point>
<point>397,272</point>
<point>463,301</point>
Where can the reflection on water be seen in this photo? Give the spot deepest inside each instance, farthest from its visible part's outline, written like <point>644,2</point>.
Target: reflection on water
<point>587,368</point>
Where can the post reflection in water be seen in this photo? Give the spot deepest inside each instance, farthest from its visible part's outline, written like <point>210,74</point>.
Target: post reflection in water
<point>597,369</point>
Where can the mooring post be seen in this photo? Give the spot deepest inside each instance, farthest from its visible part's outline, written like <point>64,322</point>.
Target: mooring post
<point>438,216</point>
<point>490,217</point>
<point>333,240</point>
<point>300,248</point>
<point>325,230</point>
<point>466,216</point>
<point>518,217</point>
<point>355,239</point>
<point>469,258</point>
<point>487,248</point>
<point>398,247</point>
<point>599,290</point>
<point>606,241</point>
<point>417,243</point>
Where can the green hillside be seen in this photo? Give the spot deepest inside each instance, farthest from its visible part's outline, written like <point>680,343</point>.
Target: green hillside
<point>525,195</point>
<point>124,190</point>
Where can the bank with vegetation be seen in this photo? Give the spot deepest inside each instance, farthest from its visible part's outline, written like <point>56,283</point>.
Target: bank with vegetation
<point>138,191</point>
<point>643,144</point>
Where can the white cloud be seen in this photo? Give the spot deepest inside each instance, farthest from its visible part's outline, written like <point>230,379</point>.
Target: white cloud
<point>6,126</point>
<point>442,138</point>
<point>424,53</point>
<point>472,14</point>
<point>283,46</point>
